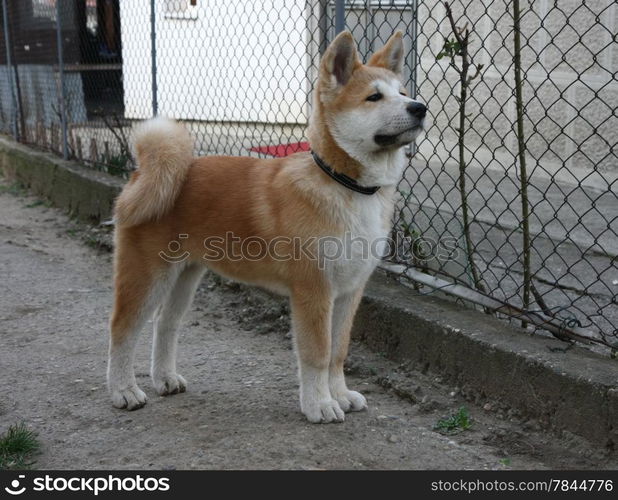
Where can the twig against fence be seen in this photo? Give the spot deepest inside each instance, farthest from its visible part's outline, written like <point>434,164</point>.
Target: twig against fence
<point>452,49</point>
<point>115,126</point>
<point>521,151</point>
<point>561,328</point>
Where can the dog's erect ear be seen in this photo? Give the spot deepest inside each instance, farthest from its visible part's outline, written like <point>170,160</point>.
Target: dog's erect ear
<point>340,59</point>
<point>391,55</point>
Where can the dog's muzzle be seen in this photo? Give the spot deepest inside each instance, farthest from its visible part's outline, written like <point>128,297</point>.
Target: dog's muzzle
<point>417,110</point>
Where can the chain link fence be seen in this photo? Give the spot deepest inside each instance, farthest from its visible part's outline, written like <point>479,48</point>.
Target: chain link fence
<point>509,200</point>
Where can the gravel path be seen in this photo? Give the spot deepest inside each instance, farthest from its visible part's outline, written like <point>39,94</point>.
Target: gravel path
<point>241,409</point>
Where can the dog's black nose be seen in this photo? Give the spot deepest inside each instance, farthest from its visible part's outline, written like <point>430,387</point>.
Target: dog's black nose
<point>417,109</point>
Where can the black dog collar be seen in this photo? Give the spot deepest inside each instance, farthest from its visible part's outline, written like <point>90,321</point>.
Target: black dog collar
<point>343,179</point>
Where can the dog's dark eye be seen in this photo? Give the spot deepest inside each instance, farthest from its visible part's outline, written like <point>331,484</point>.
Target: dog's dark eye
<point>403,94</point>
<point>374,97</point>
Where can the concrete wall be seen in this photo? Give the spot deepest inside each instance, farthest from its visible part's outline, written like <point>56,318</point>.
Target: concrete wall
<point>569,60</point>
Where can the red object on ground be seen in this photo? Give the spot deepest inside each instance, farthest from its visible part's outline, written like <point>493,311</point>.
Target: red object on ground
<point>281,150</point>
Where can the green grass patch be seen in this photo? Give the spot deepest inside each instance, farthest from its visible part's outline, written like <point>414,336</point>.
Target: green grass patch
<point>36,203</point>
<point>15,188</point>
<point>17,446</point>
<point>118,165</point>
<point>456,423</point>
<point>92,242</point>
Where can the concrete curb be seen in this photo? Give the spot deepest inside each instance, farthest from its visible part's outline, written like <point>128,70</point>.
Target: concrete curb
<point>85,193</point>
<point>575,391</point>
<point>489,360</point>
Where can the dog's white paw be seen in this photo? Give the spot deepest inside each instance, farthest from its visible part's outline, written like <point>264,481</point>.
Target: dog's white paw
<point>169,384</point>
<point>351,401</point>
<point>323,412</point>
<point>131,398</point>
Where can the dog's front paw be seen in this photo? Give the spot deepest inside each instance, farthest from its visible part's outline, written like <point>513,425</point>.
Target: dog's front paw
<point>131,398</point>
<point>323,412</point>
<point>168,384</point>
<point>351,401</point>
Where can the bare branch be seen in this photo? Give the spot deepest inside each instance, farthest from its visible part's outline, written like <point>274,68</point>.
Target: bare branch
<point>454,28</point>
<point>454,66</point>
<point>475,75</point>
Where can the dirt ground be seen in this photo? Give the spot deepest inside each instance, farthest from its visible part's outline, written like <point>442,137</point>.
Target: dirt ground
<point>241,408</point>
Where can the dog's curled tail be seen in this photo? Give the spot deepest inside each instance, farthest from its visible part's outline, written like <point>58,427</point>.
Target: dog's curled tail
<point>164,151</point>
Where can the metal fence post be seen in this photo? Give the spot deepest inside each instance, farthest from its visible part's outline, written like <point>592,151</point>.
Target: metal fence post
<point>414,61</point>
<point>153,56</point>
<point>323,22</point>
<point>62,96</point>
<point>9,68</point>
<point>370,28</point>
<point>414,50</point>
<point>339,16</point>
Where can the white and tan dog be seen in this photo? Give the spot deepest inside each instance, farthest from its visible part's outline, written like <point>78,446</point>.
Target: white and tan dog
<point>361,119</point>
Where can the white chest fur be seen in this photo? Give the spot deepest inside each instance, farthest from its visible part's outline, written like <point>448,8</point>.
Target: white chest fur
<point>350,258</point>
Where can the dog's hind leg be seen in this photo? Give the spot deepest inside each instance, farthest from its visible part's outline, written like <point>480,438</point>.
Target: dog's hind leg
<point>343,317</point>
<point>139,290</point>
<point>311,322</point>
<point>163,369</point>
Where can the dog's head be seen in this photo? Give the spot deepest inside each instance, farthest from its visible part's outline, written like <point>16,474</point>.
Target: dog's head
<point>365,107</point>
